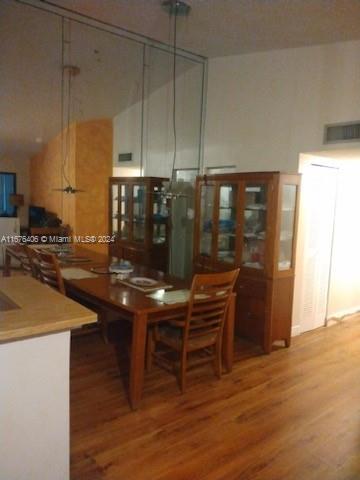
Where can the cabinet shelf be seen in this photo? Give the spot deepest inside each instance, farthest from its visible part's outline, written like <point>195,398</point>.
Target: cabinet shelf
<point>257,208</point>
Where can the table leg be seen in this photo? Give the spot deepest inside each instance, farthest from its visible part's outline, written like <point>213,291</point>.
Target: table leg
<point>228,335</point>
<point>7,263</point>
<point>137,362</point>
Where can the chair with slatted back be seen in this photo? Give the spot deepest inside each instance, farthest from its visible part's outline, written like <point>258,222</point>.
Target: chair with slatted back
<point>30,264</point>
<point>49,270</point>
<point>200,331</point>
<point>26,257</point>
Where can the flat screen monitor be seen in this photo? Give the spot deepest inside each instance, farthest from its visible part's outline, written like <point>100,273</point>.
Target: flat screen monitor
<point>36,216</point>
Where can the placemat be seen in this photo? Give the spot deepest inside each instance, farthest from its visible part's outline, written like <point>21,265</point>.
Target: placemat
<point>76,274</point>
<point>176,296</point>
<point>159,286</point>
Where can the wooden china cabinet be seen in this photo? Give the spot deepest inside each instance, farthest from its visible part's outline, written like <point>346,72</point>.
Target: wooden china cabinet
<point>139,220</point>
<point>249,220</point>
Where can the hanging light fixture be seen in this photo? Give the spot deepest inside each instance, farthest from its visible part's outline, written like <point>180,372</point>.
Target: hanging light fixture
<point>68,73</point>
<point>174,8</point>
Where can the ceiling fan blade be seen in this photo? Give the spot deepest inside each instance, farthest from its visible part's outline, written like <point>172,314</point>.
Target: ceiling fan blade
<point>68,189</point>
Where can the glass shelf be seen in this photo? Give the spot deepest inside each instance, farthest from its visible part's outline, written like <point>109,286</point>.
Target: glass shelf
<point>123,211</point>
<point>226,240</point>
<point>255,217</point>
<point>139,206</point>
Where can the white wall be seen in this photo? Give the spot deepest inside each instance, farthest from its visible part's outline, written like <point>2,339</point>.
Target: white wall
<point>158,143</point>
<point>20,166</point>
<point>264,109</point>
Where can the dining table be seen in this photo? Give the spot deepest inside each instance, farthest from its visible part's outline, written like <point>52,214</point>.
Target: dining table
<point>110,293</point>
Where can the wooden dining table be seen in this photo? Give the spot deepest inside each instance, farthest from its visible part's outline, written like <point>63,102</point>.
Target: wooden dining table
<point>106,291</point>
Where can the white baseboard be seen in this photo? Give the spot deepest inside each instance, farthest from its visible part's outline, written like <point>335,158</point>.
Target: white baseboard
<point>295,330</point>
<point>343,313</point>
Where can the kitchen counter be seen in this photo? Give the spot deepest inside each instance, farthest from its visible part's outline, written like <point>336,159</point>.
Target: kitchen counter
<point>29,308</point>
<point>35,324</point>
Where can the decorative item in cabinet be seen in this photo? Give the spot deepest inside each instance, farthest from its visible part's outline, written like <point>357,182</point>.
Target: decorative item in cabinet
<point>249,220</point>
<point>139,220</point>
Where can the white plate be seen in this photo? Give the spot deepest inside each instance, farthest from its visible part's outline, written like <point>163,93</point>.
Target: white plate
<point>143,281</point>
<point>120,269</point>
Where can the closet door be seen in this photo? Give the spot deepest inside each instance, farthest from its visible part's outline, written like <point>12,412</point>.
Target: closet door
<point>318,197</point>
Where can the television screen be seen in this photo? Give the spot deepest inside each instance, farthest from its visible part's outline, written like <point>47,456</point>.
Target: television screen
<point>37,216</point>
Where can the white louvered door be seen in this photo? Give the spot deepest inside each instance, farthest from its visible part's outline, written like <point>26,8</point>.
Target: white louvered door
<point>319,186</point>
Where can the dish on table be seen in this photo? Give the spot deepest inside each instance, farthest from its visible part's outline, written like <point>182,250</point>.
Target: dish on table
<point>143,281</point>
<point>124,267</point>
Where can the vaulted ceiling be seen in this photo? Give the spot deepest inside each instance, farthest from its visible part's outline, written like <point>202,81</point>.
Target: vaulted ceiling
<point>226,27</point>
<point>111,67</point>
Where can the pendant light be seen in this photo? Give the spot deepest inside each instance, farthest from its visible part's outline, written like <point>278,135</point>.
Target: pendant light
<point>68,73</point>
<point>175,8</point>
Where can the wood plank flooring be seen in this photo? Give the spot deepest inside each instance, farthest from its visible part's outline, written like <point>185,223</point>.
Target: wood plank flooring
<point>293,415</point>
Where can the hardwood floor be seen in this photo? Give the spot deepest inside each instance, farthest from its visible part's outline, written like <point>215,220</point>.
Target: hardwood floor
<point>293,415</point>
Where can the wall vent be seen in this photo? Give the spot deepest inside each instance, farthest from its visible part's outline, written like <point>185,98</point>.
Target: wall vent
<point>342,132</point>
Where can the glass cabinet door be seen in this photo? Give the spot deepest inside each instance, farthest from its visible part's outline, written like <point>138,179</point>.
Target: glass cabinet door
<point>139,205</point>
<point>226,242</point>
<point>114,209</point>
<point>254,225</point>
<point>287,223</point>
<point>206,219</point>
<point>124,211</point>
<point>160,216</point>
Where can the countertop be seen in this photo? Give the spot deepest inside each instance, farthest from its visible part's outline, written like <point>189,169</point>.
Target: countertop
<point>29,308</point>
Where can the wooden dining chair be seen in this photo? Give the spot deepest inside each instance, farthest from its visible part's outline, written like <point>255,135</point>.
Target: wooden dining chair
<point>27,260</point>
<point>200,330</point>
<point>49,270</point>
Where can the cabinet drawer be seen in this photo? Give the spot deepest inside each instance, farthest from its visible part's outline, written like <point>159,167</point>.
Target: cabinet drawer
<point>251,288</point>
<point>250,317</point>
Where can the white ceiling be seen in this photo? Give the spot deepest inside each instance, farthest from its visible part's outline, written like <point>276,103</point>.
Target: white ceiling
<point>226,27</point>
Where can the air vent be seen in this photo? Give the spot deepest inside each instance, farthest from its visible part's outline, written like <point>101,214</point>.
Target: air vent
<point>345,132</point>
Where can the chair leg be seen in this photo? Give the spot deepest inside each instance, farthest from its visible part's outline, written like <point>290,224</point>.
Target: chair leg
<point>218,359</point>
<point>182,373</point>
<point>103,326</point>
<point>150,346</point>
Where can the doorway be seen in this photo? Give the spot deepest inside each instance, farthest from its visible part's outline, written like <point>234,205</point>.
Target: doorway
<point>327,283</point>
<point>318,201</point>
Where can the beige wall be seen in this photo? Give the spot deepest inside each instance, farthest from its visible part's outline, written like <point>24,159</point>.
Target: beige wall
<point>88,168</point>
<point>20,166</point>
<point>93,167</point>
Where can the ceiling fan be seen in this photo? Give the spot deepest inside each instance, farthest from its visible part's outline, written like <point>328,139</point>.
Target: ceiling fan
<point>68,189</point>
<point>68,73</point>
